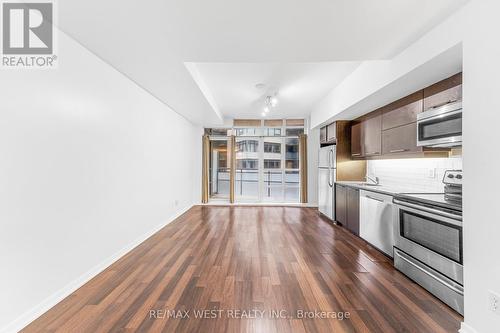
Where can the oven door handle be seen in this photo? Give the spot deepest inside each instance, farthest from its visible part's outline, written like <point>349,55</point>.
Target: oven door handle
<point>455,287</point>
<point>427,209</point>
<point>438,116</point>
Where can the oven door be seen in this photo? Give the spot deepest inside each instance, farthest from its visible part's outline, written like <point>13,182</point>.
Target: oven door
<point>440,127</point>
<point>431,237</point>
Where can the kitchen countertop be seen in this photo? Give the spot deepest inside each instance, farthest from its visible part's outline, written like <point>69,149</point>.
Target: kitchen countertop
<point>383,189</point>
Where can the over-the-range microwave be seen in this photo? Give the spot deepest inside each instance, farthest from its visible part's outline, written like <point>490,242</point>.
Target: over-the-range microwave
<point>440,126</point>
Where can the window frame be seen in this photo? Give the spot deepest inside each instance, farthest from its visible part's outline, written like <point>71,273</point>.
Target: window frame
<point>259,134</point>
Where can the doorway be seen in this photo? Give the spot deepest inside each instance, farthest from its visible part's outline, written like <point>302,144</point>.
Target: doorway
<point>219,172</point>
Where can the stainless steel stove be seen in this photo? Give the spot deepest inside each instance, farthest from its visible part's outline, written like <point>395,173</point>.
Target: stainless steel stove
<point>449,199</point>
<point>433,200</point>
<point>428,235</point>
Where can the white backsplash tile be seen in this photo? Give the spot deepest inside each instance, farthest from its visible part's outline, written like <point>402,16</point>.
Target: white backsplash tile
<point>419,174</point>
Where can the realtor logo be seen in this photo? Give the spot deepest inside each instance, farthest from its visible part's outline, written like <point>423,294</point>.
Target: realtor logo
<point>27,29</point>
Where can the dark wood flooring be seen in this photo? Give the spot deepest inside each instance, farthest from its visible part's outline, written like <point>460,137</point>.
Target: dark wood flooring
<point>280,259</point>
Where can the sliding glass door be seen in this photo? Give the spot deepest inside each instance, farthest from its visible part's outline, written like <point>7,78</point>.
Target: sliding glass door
<point>246,183</point>
<point>292,164</point>
<point>272,180</point>
<point>266,162</point>
<point>267,169</point>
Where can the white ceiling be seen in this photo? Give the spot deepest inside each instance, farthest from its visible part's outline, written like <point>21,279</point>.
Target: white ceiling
<point>149,41</point>
<point>232,86</point>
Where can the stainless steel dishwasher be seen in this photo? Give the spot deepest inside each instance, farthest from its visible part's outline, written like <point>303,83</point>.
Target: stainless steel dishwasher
<point>376,220</point>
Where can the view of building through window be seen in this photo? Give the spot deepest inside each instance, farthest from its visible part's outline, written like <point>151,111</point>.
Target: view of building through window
<point>267,163</point>
<point>272,147</point>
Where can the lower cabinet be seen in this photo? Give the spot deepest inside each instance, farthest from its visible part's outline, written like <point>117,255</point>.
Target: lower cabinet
<point>341,204</point>
<point>353,210</point>
<point>347,207</point>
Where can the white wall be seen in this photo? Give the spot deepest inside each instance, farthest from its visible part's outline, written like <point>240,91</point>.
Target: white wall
<point>90,164</point>
<point>481,164</point>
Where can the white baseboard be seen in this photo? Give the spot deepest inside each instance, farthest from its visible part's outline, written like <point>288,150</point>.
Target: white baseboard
<point>51,301</point>
<point>464,328</point>
<point>263,204</point>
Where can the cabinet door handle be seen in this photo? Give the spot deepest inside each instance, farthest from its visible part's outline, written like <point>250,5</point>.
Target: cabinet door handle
<point>376,199</point>
<point>398,150</point>
<point>375,153</point>
<point>444,103</point>
<point>356,154</point>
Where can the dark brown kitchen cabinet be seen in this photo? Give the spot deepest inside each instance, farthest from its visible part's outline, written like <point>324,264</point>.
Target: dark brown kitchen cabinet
<point>371,136</point>
<point>356,140</point>
<point>322,135</point>
<point>403,111</point>
<point>341,204</point>
<point>353,210</point>
<point>391,131</point>
<point>347,207</point>
<point>402,139</point>
<point>331,132</point>
<point>443,92</point>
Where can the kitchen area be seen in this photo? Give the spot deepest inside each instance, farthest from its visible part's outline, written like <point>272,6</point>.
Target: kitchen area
<point>393,177</point>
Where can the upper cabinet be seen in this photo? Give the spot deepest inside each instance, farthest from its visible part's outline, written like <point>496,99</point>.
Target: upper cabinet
<point>371,135</point>
<point>366,136</point>
<point>403,111</point>
<point>356,149</point>
<point>346,168</point>
<point>322,135</point>
<point>328,134</point>
<point>401,139</point>
<point>443,92</point>
<point>391,131</point>
<point>399,127</point>
<point>331,132</point>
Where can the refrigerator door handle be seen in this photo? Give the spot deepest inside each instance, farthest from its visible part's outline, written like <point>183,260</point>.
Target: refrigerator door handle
<point>330,180</point>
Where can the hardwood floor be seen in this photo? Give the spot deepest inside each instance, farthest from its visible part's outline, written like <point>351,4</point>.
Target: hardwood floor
<point>250,258</point>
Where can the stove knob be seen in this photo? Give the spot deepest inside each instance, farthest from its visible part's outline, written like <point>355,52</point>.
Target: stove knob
<point>459,177</point>
<point>451,176</point>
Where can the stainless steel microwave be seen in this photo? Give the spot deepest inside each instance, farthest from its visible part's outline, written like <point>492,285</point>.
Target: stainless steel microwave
<point>440,126</point>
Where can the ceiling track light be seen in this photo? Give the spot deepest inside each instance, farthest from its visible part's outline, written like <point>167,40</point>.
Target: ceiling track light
<point>274,101</point>
<point>270,102</point>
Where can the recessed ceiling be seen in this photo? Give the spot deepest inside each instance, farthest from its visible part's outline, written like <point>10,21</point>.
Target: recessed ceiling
<point>233,87</point>
<point>149,41</point>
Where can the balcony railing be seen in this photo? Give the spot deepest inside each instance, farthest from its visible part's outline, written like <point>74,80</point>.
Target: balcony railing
<point>247,182</point>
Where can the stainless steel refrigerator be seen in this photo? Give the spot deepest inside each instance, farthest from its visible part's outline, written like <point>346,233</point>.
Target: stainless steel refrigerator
<point>326,181</point>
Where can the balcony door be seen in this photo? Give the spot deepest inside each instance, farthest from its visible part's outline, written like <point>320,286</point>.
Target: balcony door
<point>219,175</point>
<point>267,169</point>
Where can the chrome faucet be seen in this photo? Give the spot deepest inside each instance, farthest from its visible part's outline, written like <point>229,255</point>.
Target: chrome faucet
<point>374,181</point>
